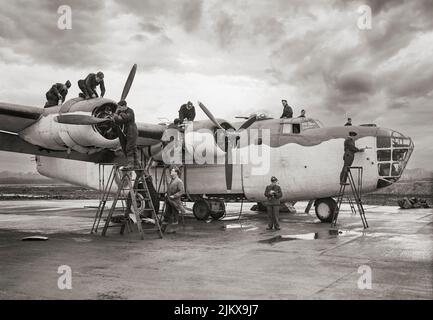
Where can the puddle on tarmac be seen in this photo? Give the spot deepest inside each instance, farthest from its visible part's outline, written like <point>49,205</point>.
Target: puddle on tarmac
<point>35,238</point>
<point>82,239</point>
<point>238,226</point>
<point>326,234</point>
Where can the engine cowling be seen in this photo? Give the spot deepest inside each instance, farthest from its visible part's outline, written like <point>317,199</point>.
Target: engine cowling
<point>200,138</point>
<point>49,134</point>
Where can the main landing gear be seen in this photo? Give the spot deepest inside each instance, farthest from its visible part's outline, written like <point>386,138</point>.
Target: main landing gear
<point>203,208</point>
<point>325,208</point>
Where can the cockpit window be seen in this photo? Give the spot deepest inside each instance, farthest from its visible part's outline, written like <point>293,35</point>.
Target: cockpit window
<point>310,124</point>
<point>397,169</point>
<point>399,154</point>
<point>383,155</point>
<point>383,142</point>
<point>384,169</point>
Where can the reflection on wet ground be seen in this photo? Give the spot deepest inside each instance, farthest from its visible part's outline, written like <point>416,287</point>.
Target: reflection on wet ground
<point>326,234</point>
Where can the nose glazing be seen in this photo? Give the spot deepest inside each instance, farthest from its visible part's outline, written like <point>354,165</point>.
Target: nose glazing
<point>393,153</point>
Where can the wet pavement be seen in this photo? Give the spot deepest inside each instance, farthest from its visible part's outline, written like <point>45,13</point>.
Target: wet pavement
<point>229,259</point>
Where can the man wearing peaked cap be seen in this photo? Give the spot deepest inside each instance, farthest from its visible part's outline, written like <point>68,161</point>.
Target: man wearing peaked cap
<point>349,155</point>
<point>273,194</point>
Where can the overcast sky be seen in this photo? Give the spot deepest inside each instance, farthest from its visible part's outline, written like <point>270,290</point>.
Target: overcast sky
<point>236,56</point>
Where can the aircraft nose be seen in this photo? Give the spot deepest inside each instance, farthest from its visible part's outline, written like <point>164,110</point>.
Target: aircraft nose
<point>393,152</point>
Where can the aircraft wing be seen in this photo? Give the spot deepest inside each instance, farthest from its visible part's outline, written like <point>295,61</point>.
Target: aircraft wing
<point>13,143</point>
<point>14,117</point>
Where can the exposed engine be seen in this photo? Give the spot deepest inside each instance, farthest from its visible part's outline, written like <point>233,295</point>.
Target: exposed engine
<point>50,134</point>
<point>204,139</point>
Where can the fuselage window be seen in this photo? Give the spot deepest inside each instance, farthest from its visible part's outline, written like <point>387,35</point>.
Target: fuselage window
<point>287,128</point>
<point>290,128</point>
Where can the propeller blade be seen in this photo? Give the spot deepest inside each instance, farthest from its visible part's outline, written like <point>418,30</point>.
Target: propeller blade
<point>128,82</point>
<point>228,163</point>
<point>248,123</point>
<point>209,115</point>
<point>78,119</point>
<point>228,171</point>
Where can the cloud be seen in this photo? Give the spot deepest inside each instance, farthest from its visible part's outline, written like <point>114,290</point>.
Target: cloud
<point>151,28</point>
<point>190,14</point>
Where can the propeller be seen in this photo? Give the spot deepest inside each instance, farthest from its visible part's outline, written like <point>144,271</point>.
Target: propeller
<point>229,138</point>
<point>245,125</point>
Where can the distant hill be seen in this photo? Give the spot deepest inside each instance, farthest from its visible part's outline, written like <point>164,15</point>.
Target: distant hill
<point>413,182</point>
<point>416,174</point>
<point>8,177</point>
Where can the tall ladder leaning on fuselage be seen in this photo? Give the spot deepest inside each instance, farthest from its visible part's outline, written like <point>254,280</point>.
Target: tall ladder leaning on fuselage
<point>356,193</point>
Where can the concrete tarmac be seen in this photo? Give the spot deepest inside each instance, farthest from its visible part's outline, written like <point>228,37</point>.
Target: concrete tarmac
<point>228,259</point>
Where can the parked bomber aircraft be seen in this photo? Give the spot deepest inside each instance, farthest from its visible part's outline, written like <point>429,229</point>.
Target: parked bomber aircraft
<point>73,140</point>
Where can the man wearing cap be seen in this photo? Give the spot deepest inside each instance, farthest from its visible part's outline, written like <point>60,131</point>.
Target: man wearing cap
<point>349,155</point>
<point>187,112</point>
<point>125,116</point>
<point>287,110</point>
<point>349,122</point>
<point>175,190</point>
<point>57,93</point>
<point>273,194</point>
<point>302,114</point>
<point>89,84</point>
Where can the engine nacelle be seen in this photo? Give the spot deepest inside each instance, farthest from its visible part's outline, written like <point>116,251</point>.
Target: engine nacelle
<point>201,139</point>
<point>49,134</point>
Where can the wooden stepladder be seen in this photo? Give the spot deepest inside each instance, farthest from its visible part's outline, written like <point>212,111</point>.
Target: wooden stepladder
<point>356,187</point>
<point>127,192</point>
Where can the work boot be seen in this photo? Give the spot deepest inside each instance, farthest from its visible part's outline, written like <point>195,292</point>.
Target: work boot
<point>269,228</point>
<point>277,228</point>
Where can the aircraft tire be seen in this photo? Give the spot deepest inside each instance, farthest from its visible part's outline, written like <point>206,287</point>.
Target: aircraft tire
<point>201,209</point>
<point>216,215</point>
<point>324,208</point>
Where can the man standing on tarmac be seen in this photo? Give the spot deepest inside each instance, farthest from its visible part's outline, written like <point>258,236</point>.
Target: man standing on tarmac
<point>273,193</point>
<point>173,204</point>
